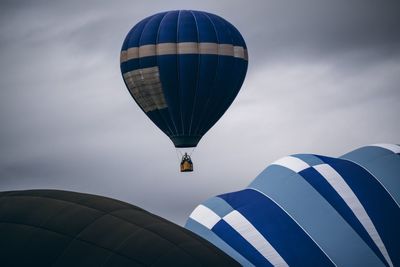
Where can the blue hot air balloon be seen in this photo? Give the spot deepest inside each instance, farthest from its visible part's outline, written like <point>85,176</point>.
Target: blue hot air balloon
<point>311,210</point>
<point>184,69</point>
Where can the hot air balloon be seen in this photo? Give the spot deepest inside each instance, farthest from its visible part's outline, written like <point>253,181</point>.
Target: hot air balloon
<point>62,228</point>
<point>311,210</point>
<point>184,69</point>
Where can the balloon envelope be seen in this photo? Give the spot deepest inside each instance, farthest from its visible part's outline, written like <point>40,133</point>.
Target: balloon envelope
<point>184,69</point>
<point>61,228</point>
<point>311,210</point>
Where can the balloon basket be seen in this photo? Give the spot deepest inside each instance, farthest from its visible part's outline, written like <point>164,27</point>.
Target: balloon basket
<point>186,163</point>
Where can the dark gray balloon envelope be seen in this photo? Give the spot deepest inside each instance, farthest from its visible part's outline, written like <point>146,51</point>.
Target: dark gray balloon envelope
<point>60,228</point>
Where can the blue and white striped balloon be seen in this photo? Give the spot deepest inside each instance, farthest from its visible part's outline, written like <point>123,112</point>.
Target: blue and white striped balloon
<point>310,210</point>
<point>184,69</point>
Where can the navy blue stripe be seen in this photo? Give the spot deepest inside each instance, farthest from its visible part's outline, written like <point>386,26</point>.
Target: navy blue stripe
<point>228,94</point>
<point>133,37</point>
<point>237,242</point>
<point>220,90</point>
<point>284,234</point>
<point>156,117</point>
<point>316,180</point>
<point>220,22</point>
<point>187,87</point>
<point>379,205</point>
<point>168,26</point>
<point>237,37</point>
<point>187,31</point>
<point>150,31</point>
<point>169,79</point>
<point>221,29</point>
<point>205,28</point>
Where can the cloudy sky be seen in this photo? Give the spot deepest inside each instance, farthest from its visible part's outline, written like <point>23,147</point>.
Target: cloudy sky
<point>323,78</point>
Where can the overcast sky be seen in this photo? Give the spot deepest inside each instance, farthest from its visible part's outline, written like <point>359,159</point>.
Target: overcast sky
<point>323,78</point>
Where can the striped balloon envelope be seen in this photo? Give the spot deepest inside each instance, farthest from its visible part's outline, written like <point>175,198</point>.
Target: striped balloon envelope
<point>184,69</point>
<point>310,210</point>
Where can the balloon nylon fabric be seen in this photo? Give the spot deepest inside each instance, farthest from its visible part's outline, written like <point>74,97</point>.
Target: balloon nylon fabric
<point>311,210</point>
<point>184,69</point>
<point>61,228</point>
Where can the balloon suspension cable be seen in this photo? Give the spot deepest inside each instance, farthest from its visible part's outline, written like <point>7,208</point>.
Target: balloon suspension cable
<point>177,154</point>
<point>180,154</point>
<point>191,152</point>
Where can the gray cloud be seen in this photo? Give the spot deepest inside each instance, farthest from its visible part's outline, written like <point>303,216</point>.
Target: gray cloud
<point>323,78</point>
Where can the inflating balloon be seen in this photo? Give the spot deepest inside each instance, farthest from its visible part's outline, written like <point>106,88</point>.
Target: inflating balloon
<point>184,69</point>
<point>311,210</point>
